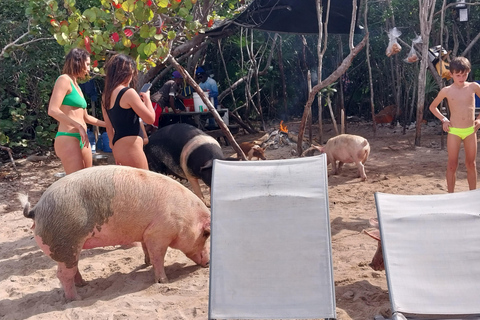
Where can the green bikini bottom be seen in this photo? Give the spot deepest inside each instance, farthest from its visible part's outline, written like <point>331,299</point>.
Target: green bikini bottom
<point>71,134</point>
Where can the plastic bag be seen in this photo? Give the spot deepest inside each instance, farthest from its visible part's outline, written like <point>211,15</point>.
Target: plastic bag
<point>412,55</point>
<point>393,46</point>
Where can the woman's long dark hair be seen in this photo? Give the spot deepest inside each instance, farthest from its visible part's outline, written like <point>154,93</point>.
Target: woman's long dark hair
<point>75,62</point>
<point>117,69</point>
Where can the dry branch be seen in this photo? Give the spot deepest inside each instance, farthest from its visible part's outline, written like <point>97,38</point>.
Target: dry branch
<point>9,151</point>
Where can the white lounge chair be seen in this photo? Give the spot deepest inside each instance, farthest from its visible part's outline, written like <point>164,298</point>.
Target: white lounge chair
<point>271,245</point>
<point>431,248</point>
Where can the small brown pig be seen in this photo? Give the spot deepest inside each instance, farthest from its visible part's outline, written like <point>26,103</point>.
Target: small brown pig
<point>347,148</point>
<point>118,205</point>
<point>252,150</point>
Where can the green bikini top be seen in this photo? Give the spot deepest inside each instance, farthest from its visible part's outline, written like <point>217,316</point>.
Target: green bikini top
<point>74,99</point>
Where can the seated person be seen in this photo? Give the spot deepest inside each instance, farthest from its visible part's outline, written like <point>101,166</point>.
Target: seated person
<point>170,96</point>
<point>168,93</point>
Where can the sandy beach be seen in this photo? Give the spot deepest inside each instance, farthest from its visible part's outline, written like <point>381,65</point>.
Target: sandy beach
<point>120,286</point>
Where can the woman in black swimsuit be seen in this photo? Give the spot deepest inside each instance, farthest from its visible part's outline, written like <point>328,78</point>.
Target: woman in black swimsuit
<point>123,108</point>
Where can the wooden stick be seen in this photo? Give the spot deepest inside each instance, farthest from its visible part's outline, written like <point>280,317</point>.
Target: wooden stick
<point>10,154</point>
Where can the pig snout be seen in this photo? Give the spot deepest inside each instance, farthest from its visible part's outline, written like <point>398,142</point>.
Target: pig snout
<point>201,258</point>
<point>377,263</point>
<point>206,173</point>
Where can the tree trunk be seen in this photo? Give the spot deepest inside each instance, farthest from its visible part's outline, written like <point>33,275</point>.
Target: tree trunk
<point>426,10</point>
<point>309,80</point>
<point>329,103</point>
<point>341,97</point>
<point>370,78</point>
<point>282,77</point>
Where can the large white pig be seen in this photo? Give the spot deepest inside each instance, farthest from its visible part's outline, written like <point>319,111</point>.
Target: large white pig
<point>118,205</point>
<point>347,148</point>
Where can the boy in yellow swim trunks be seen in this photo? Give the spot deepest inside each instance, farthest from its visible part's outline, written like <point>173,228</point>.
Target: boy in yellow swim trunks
<point>462,125</point>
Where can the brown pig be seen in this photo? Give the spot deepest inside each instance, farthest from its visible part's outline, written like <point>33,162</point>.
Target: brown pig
<point>252,150</point>
<point>118,205</point>
<point>347,148</point>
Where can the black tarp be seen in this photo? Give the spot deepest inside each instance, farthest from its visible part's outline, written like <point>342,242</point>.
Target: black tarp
<point>293,16</point>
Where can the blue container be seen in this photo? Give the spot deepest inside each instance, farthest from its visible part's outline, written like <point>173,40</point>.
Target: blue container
<point>106,143</point>
<point>91,138</point>
<point>477,99</point>
<point>100,143</point>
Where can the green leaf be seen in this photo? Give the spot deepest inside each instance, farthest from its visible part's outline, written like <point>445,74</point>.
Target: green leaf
<point>153,31</point>
<point>141,49</point>
<point>128,6</point>
<point>98,39</point>
<point>60,38</point>
<point>53,5</point>
<point>163,3</point>
<point>171,35</point>
<point>183,12</point>
<point>151,63</point>
<point>149,15</point>
<point>120,15</point>
<point>162,52</point>
<point>149,48</point>
<point>145,31</point>
<point>3,138</point>
<point>90,15</point>
<point>73,27</point>
<point>126,42</point>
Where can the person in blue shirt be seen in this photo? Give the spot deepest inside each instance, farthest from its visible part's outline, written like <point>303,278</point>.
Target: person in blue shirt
<point>207,84</point>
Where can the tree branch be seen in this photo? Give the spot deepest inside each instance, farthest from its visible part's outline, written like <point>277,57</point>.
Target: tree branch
<point>16,42</point>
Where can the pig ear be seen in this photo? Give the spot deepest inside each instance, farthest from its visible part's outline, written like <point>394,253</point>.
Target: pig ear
<point>208,165</point>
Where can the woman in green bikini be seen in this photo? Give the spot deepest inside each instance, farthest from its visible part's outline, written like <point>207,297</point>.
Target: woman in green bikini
<point>68,106</point>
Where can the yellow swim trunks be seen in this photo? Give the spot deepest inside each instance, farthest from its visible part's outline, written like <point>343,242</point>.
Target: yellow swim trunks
<point>462,132</point>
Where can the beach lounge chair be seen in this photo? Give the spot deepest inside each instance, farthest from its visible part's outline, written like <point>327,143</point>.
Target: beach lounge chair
<point>271,245</point>
<point>431,248</point>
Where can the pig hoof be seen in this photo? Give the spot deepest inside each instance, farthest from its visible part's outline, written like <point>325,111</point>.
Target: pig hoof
<point>163,280</point>
<point>73,298</point>
<point>81,284</point>
<point>147,261</point>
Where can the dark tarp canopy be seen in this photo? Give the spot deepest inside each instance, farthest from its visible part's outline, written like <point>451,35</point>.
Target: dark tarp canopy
<point>292,16</point>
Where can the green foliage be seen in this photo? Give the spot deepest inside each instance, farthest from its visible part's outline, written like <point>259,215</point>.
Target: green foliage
<point>144,29</point>
<point>27,75</point>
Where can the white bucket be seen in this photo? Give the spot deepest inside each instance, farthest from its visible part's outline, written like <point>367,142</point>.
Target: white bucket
<point>225,118</point>
<point>198,103</point>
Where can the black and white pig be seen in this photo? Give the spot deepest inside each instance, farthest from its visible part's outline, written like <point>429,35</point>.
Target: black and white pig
<point>118,205</point>
<point>184,151</point>
<point>347,148</point>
